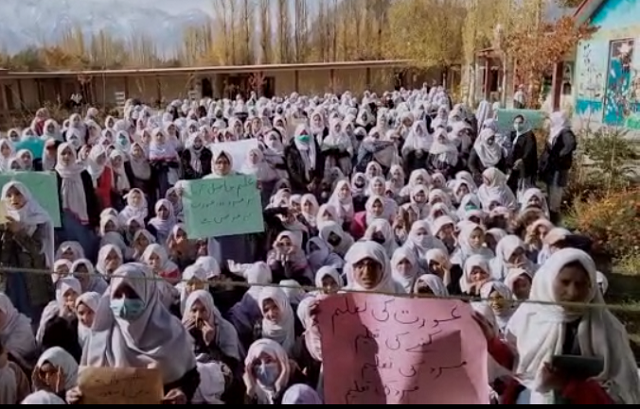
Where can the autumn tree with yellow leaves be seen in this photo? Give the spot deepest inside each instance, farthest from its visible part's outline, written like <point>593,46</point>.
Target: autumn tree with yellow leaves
<point>431,33</point>
<point>538,49</point>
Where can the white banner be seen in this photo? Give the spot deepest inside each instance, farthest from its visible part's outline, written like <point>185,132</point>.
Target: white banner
<point>237,149</point>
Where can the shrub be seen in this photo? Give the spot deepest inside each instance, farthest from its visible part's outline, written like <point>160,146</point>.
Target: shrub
<point>603,164</point>
<point>612,222</point>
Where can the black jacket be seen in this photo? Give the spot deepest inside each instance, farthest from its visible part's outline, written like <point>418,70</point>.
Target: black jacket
<point>558,157</point>
<point>187,169</point>
<point>295,168</point>
<point>525,148</point>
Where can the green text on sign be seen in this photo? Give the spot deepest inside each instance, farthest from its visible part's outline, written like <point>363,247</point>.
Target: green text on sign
<point>222,207</point>
<point>43,187</point>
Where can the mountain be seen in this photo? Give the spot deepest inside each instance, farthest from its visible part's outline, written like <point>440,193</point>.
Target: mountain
<point>36,22</point>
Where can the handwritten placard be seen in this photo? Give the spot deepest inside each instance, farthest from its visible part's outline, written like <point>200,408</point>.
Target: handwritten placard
<point>3,212</point>
<point>43,187</point>
<point>379,349</point>
<point>222,207</point>
<point>120,386</point>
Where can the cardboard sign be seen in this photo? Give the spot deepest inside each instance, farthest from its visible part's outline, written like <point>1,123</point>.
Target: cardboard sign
<point>120,386</point>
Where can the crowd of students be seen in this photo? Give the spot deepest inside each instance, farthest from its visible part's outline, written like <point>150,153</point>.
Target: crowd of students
<point>399,192</point>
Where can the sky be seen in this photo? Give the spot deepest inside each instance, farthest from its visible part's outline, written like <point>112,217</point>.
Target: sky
<point>28,23</point>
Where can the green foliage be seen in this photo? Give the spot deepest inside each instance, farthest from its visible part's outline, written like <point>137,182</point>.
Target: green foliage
<point>612,153</point>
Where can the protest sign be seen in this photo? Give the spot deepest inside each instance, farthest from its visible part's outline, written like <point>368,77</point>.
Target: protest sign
<point>3,212</point>
<point>43,187</point>
<point>33,145</point>
<point>237,149</point>
<point>120,386</point>
<point>378,349</point>
<point>222,207</point>
<point>534,118</point>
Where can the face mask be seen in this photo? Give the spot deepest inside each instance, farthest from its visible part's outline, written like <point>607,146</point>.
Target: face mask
<point>127,309</point>
<point>422,239</point>
<point>378,238</point>
<point>359,184</point>
<point>267,374</point>
<point>74,142</point>
<point>304,138</point>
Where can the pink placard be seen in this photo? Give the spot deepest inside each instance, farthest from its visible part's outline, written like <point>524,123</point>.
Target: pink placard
<point>379,349</point>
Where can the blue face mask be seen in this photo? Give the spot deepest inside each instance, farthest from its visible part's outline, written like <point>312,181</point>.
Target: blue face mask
<point>266,374</point>
<point>303,138</point>
<point>127,309</point>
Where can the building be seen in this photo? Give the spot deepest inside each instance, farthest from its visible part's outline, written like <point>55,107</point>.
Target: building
<point>30,90</point>
<point>492,76</point>
<point>607,67</point>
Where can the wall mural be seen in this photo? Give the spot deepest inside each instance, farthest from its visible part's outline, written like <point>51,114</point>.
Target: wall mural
<point>620,104</point>
<point>607,72</point>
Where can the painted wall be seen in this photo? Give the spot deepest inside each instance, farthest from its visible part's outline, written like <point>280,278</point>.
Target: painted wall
<point>607,68</point>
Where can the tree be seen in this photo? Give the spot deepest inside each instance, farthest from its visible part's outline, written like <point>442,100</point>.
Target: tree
<point>301,30</point>
<point>284,32</point>
<point>537,50</point>
<point>266,46</point>
<point>428,32</point>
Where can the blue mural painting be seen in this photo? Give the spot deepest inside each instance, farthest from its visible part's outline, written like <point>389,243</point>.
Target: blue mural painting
<point>618,101</point>
<point>607,74</point>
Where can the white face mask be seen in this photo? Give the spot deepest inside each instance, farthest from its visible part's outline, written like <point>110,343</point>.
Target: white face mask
<point>422,239</point>
<point>74,141</point>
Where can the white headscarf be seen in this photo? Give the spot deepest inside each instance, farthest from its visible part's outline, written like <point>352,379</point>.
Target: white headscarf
<point>226,336</point>
<point>15,330</point>
<point>405,278</point>
<point>4,160</point>
<point>156,337</point>
<point>383,227</point>
<point>141,211</point>
<point>504,250</point>
<point>30,216</point>
<point>43,398</point>
<point>444,148</point>
<point>418,139</point>
<point>122,180</point>
<point>539,332</point>
<point>435,284</point>
<point>497,188</point>
<point>283,331</point>
<point>277,353</point>
<point>559,122</point>
<point>301,394</point>
<point>489,154</point>
<point>420,244</point>
<point>372,250</point>
<point>95,168</point>
<point>72,191</point>
<point>344,206</point>
<point>91,301</point>
<point>59,358</point>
